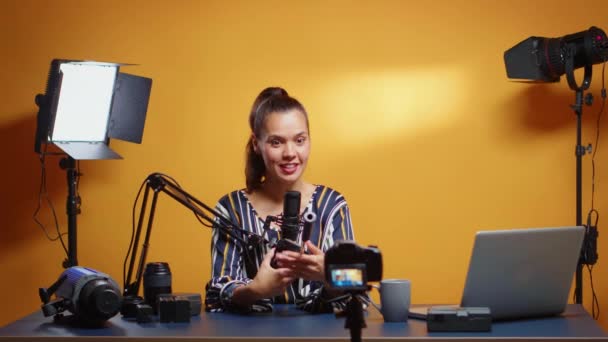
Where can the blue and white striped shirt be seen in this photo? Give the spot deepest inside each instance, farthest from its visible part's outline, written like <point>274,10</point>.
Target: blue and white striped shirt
<point>228,265</point>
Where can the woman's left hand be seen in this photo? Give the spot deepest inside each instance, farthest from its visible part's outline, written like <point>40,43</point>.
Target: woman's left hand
<point>307,266</point>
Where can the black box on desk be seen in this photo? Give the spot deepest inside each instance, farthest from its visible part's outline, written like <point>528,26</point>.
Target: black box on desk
<point>173,309</point>
<point>194,299</point>
<point>446,318</point>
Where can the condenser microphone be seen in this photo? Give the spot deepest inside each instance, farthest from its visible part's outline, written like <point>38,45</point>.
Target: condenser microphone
<point>290,225</point>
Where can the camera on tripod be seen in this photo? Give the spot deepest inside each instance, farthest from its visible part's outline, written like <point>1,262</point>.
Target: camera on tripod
<point>349,266</point>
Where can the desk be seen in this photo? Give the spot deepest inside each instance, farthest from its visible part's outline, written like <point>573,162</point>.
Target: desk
<point>288,323</point>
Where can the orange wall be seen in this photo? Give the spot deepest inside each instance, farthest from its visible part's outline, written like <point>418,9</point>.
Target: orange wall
<point>412,118</point>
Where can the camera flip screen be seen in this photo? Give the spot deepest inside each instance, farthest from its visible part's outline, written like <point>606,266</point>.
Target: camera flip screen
<point>348,277</point>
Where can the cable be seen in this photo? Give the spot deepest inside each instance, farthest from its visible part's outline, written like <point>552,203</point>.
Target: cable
<point>589,248</point>
<point>597,135</point>
<point>42,193</point>
<point>595,305</point>
<point>78,174</point>
<point>176,184</point>
<point>129,250</point>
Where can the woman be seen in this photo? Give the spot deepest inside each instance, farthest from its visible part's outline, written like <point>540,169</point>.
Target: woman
<point>277,154</point>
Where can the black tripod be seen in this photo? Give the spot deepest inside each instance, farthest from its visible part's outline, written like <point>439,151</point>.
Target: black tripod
<point>355,321</point>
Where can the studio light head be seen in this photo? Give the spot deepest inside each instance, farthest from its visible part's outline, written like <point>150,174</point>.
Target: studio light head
<point>87,103</point>
<point>543,59</point>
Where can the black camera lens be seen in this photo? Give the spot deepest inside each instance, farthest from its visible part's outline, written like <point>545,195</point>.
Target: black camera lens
<point>157,280</point>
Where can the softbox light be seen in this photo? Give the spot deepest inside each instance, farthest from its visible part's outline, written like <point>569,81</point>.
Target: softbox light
<point>86,103</point>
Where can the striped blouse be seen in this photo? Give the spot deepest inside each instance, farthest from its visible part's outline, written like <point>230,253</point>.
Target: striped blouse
<point>333,223</point>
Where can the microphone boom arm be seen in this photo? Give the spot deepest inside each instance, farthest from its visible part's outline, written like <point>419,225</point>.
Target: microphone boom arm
<point>158,182</point>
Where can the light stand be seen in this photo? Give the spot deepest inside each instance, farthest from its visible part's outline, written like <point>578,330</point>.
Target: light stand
<point>85,104</point>
<point>540,59</point>
<point>158,183</point>
<point>580,151</point>
<point>73,209</point>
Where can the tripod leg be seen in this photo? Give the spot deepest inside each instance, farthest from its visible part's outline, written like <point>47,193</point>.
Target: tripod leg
<point>355,321</point>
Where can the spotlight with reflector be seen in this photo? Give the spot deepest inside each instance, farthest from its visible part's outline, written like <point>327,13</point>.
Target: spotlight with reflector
<point>540,59</point>
<point>547,59</point>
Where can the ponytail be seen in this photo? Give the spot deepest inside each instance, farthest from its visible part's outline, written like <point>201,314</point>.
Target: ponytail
<point>254,167</point>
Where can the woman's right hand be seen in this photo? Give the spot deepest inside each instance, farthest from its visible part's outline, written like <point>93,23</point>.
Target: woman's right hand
<point>268,282</point>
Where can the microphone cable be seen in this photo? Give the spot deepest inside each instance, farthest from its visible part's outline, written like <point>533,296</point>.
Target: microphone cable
<point>129,250</point>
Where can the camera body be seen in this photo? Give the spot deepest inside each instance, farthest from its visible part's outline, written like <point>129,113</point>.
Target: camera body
<point>349,266</point>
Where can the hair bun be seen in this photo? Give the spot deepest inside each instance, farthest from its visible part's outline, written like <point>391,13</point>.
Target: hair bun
<point>273,91</point>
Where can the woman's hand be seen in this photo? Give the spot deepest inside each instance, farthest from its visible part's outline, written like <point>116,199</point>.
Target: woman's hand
<point>307,266</point>
<point>269,281</point>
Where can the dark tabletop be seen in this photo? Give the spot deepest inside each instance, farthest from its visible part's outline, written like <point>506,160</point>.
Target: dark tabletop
<point>286,322</point>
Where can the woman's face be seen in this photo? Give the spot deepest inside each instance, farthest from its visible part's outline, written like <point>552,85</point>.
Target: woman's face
<point>284,146</point>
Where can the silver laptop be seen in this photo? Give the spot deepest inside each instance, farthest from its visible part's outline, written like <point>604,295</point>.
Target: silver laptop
<point>520,273</point>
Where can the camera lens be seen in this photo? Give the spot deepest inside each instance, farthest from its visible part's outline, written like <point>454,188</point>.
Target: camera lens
<point>99,300</point>
<point>157,280</point>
